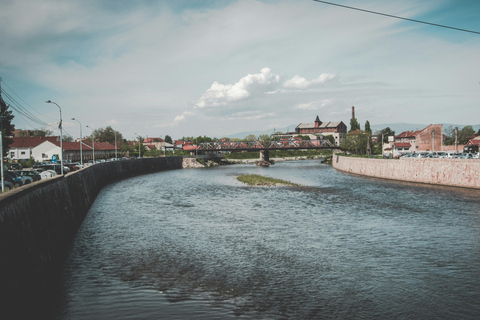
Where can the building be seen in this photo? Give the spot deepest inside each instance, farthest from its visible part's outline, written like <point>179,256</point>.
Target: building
<point>318,128</point>
<point>154,143</point>
<point>427,139</point>
<point>473,144</point>
<point>22,147</point>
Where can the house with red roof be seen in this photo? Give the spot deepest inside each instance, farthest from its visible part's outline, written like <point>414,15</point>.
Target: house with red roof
<point>473,145</point>
<point>71,150</point>
<point>21,148</point>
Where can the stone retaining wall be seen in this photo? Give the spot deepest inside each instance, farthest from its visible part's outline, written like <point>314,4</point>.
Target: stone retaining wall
<point>39,221</point>
<point>448,172</point>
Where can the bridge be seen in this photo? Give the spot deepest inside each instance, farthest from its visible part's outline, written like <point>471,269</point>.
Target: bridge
<point>264,147</point>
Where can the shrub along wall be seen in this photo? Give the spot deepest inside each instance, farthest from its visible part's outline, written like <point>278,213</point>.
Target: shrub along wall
<point>39,221</point>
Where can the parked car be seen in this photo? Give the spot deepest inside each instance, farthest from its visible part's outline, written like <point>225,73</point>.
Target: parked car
<point>17,182</point>
<point>25,179</point>
<point>7,185</point>
<point>466,156</point>
<point>34,174</point>
<point>15,166</point>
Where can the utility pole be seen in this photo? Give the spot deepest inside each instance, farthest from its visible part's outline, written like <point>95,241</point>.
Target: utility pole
<point>456,140</point>
<point>1,136</point>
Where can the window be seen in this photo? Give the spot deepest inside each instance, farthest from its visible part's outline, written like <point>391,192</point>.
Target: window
<point>44,156</point>
<point>22,153</point>
<point>12,154</point>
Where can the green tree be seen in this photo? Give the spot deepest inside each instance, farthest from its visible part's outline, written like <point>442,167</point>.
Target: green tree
<point>331,139</point>
<point>250,137</point>
<point>465,134</point>
<point>356,142</point>
<point>6,126</point>
<point>264,139</point>
<point>168,139</point>
<point>367,127</point>
<point>354,125</point>
<point>386,132</point>
<point>107,135</point>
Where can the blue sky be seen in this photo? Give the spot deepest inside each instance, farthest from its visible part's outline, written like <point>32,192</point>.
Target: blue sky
<point>215,68</point>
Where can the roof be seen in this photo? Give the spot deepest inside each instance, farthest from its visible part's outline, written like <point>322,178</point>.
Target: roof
<point>402,144</point>
<point>73,146</point>
<point>324,125</point>
<point>189,148</point>
<point>358,131</point>
<point>30,142</point>
<point>408,134</point>
<point>474,141</point>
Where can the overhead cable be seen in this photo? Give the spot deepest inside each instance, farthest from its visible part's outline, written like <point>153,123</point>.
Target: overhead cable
<point>397,17</point>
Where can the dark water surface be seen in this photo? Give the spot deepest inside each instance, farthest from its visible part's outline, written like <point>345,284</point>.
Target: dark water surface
<point>197,244</point>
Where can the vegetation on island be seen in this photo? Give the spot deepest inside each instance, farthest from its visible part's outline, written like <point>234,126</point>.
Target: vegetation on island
<point>258,180</point>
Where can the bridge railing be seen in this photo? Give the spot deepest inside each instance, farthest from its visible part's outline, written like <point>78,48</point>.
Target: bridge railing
<point>272,145</point>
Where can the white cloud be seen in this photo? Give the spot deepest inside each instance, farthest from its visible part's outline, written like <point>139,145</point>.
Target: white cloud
<point>313,105</point>
<point>219,94</point>
<point>182,117</point>
<point>298,82</point>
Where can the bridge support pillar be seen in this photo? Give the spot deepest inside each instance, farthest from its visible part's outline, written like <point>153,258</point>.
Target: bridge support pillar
<point>265,155</point>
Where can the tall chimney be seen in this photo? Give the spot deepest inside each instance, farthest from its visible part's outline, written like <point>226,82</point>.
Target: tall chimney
<point>353,112</point>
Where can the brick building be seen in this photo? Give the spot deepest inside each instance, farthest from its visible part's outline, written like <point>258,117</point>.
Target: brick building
<point>318,128</point>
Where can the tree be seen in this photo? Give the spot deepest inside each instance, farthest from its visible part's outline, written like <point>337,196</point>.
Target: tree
<point>356,142</point>
<point>250,137</point>
<point>367,127</point>
<point>6,126</point>
<point>107,135</point>
<point>168,139</point>
<point>386,132</point>
<point>331,139</point>
<point>264,139</point>
<point>354,125</point>
<point>465,134</point>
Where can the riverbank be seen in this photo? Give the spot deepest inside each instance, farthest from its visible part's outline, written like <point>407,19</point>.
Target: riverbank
<point>446,172</point>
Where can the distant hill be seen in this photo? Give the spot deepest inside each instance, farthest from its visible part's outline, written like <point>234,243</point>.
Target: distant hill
<point>242,135</point>
<point>397,127</point>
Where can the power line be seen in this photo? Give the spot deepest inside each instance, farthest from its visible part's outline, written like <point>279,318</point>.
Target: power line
<point>397,17</point>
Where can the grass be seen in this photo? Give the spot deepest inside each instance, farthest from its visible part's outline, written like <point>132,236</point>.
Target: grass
<point>258,180</point>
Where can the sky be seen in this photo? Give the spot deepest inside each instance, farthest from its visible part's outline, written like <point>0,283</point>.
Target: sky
<point>216,68</point>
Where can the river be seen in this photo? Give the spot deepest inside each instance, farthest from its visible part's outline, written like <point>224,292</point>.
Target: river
<point>198,244</point>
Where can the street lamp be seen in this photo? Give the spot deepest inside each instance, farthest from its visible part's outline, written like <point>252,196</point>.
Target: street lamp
<point>61,135</point>
<point>93,141</point>
<point>81,154</point>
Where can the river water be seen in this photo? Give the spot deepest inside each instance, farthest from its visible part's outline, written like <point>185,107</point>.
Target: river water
<point>197,244</point>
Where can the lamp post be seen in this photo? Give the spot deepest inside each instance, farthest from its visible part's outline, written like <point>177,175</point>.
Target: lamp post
<point>61,135</point>
<point>116,158</point>
<point>93,141</point>
<point>81,153</point>
<point>138,144</point>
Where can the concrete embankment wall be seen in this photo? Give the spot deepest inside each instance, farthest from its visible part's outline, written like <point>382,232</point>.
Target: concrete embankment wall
<point>39,221</point>
<point>448,172</point>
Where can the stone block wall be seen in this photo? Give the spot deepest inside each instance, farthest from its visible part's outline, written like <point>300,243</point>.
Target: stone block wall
<point>447,172</point>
